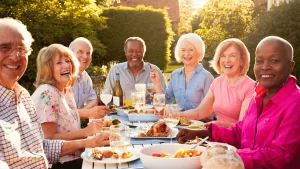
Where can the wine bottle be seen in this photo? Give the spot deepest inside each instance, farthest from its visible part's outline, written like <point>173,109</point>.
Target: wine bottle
<point>118,92</point>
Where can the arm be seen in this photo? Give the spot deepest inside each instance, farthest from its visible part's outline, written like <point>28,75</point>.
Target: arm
<point>94,112</point>
<point>90,103</point>
<point>156,80</point>
<point>50,131</point>
<point>57,148</point>
<point>244,107</point>
<point>203,110</point>
<point>102,139</point>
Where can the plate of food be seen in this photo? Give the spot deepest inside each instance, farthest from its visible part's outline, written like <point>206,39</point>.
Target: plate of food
<point>105,155</point>
<point>108,122</point>
<point>113,109</point>
<point>185,123</point>
<point>158,130</point>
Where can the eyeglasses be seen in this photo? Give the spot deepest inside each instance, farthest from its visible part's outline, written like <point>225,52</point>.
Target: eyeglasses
<point>7,49</point>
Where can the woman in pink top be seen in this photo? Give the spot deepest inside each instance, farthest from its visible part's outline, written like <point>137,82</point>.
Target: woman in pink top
<point>269,135</point>
<point>230,93</point>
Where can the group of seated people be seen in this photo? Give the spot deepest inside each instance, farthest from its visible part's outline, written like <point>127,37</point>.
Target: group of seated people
<point>259,118</point>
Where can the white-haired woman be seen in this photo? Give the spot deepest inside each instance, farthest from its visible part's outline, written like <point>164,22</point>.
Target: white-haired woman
<point>188,85</point>
<point>230,93</point>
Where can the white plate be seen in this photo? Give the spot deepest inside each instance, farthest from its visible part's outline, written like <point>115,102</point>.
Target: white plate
<point>88,151</point>
<point>194,123</point>
<point>171,135</point>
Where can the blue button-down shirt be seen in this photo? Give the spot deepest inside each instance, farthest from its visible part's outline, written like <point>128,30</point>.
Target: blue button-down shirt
<point>83,90</point>
<point>188,96</point>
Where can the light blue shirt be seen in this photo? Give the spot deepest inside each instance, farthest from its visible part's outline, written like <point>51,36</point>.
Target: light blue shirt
<point>189,96</point>
<point>83,89</point>
<point>127,80</point>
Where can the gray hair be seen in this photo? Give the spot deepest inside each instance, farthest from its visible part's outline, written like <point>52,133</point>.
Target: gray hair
<point>17,26</point>
<point>80,39</point>
<point>130,39</point>
<point>195,40</point>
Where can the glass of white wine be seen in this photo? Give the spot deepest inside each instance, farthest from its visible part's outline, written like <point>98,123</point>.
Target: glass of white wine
<point>159,103</point>
<point>120,139</point>
<point>171,116</point>
<point>106,96</point>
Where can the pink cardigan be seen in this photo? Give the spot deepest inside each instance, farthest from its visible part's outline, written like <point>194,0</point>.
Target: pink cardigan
<point>270,139</point>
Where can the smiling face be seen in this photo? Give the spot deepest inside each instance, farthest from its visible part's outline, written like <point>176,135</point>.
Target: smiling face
<point>134,53</point>
<point>84,54</point>
<point>62,69</point>
<point>189,55</point>
<point>272,66</point>
<point>13,65</point>
<point>230,61</point>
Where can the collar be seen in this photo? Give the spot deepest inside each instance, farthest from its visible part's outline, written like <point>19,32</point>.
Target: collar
<point>7,95</point>
<point>282,94</point>
<point>198,69</point>
<point>125,66</point>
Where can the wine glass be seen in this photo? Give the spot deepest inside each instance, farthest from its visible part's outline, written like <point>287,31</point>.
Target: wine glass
<point>159,102</point>
<point>138,101</point>
<point>151,90</point>
<point>119,139</point>
<point>106,96</point>
<point>171,116</point>
<point>140,87</point>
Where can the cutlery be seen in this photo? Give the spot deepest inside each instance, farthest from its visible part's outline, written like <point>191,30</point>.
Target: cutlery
<point>201,142</point>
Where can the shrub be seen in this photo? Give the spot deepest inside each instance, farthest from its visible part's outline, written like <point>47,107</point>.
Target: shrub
<point>152,25</point>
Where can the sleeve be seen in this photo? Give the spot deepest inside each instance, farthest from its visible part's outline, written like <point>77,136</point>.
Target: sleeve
<point>47,105</point>
<point>52,149</point>
<point>92,94</point>
<point>284,150</point>
<point>208,82</point>
<point>230,135</point>
<point>169,93</point>
<point>110,81</point>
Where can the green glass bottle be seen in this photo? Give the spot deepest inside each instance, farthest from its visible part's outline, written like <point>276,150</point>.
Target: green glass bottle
<point>118,92</point>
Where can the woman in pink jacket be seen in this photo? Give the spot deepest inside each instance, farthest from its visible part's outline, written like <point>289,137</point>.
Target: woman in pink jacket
<point>269,134</point>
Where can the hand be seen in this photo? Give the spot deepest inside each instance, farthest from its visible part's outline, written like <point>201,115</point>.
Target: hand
<point>154,76</point>
<point>101,139</point>
<point>97,112</point>
<point>184,135</point>
<point>94,127</point>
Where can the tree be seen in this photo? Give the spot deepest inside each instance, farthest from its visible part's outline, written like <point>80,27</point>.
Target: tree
<point>55,21</point>
<point>185,11</point>
<point>222,19</point>
<point>282,21</point>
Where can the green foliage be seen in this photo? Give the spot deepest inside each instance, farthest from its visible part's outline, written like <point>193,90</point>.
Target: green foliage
<point>96,70</point>
<point>185,11</point>
<point>282,21</point>
<point>152,25</point>
<point>55,21</point>
<point>222,19</point>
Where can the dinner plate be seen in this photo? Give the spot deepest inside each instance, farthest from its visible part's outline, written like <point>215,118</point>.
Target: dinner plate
<point>194,123</point>
<point>171,135</point>
<point>88,151</point>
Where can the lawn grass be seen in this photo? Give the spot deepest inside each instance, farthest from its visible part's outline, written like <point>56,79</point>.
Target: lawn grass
<point>171,67</point>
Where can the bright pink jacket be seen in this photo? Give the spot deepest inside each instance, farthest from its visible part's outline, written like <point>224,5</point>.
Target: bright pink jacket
<point>270,139</point>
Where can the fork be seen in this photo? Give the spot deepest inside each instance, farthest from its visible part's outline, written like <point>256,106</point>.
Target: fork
<point>200,142</point>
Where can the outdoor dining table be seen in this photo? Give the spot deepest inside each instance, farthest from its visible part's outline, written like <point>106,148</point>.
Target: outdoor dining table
<point>137,145</point>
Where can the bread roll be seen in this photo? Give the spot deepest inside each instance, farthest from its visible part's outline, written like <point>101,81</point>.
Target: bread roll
<point>221,156</point>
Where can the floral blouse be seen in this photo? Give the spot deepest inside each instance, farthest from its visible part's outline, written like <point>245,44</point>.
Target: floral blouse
<point>58,107</point>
